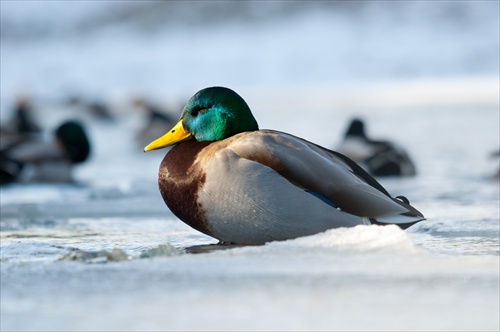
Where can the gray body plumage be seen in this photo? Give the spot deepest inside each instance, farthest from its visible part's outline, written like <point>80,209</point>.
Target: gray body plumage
<point>258,188</point>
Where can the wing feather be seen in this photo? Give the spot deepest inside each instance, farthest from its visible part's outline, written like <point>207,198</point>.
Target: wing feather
<point>316,169</point>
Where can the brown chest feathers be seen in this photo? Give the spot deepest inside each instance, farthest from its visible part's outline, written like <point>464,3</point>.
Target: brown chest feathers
<point>179,180</point>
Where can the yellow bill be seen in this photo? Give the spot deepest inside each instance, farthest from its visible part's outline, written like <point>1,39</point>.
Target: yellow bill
<point>175,135</point>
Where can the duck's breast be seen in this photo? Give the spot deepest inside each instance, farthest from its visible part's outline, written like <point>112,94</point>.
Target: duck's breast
<point>180,180</point>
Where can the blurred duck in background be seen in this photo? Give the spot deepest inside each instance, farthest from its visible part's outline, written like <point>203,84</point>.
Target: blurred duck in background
<point>97,109</point>
<point>379,158</point>
<point>39,160</point>
<point>157,121</point>
<point>22,125</point>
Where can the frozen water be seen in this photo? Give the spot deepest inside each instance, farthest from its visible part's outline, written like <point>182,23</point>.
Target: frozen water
<point>106,254</point>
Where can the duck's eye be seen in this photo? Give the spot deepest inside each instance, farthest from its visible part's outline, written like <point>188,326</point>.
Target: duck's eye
<point>199,110</point>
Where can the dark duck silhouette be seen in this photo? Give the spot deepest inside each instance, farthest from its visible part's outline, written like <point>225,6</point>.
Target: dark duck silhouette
<point>379,158</point>
<point>21,127</point>
<point>46,161</point>
<point>157,121</point>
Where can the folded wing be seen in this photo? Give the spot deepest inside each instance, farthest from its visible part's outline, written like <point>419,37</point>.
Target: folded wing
<point>326,173</point>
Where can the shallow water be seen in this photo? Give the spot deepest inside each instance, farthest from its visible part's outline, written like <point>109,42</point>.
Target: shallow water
<point>105,253</point>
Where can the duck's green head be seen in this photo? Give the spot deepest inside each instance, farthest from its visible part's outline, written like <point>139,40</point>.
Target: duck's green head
<point>212,114</point>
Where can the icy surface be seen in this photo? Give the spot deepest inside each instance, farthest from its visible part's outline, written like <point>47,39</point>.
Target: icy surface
<point>106,253</point>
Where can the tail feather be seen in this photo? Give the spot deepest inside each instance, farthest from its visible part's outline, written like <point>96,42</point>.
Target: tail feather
<point>403,220</point>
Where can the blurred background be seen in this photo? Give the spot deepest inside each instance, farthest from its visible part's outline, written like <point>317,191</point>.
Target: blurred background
<point>167,50</point>
<point>126,68</point>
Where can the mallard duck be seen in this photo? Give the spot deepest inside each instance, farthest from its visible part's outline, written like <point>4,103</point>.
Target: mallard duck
<point>238,184</point>
<point>379,158</point>
<point>46,160</point>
